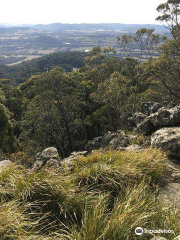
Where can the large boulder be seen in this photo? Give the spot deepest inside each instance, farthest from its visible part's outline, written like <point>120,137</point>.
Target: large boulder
<point>4,164</point>
<point>48,157</point>
<point>168,139</point>
<point>166,117</point>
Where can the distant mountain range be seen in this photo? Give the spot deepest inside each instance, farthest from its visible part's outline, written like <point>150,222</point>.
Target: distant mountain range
<point>8,29</point>
<point>88,27</point>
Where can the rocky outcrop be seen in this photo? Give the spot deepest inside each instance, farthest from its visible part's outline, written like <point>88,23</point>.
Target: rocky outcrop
<point>49,157</point>
<point>168,139</point>
<point>149,108</point>
<point>4,164</point>
<point>115,141</point>
<point>102,141</point>
<point>146,109</point>
<point>164,117</point>
<point>153,116</point>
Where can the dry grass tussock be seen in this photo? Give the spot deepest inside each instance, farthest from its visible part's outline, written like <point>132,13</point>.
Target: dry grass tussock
<point>105,197</point>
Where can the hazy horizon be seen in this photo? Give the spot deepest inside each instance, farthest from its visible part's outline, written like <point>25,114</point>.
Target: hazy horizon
<point>30,24</point>
<point>33,12</point>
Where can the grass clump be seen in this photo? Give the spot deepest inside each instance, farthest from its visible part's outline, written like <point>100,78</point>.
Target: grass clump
<point>115,169</point>
<point>106,196</point>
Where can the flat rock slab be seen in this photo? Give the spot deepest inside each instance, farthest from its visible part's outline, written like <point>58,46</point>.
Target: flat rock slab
<point>170,195</point>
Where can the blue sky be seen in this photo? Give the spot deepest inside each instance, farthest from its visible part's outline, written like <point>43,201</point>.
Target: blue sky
<point>78,11</point>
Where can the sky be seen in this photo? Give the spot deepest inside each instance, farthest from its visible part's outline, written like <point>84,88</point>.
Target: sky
<point>78,11</point>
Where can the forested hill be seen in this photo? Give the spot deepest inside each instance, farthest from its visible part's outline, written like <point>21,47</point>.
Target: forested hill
<point>21,72</point>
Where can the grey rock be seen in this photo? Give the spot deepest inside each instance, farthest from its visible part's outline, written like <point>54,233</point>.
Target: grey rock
<point>120,133</point>
<point>48,157</point>
<point>146,126</point>
<point>68,163</point>
<point>144,119</point>
<point>132,148</point>
<point>168,139</point>
<point>170,195</point>
<point>139,117</point>
<point>108,137</point>
<point>158,106</point>
<point>77,154</point>
<point>121,141</point>
<point>4,164</point>
<point>53,163</point>
<point>148,108</point>
<point>173,171</point>
<point>99,142</point>
<point>94,144</point>
<point>166,117</point>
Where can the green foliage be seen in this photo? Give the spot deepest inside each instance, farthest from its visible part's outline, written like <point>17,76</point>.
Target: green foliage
<point>144,39</point>
<point>170,12</point>
<point>7,139</point>
<point>115,92</point>
<point>52,116</point>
